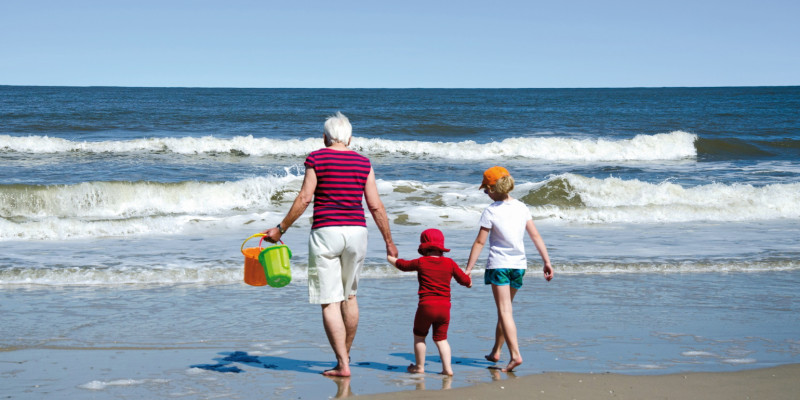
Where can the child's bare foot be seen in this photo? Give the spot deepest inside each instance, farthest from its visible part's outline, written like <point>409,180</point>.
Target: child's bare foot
<point>512,364</point>
<point>492,358</point>
<point>415,369</point>
<point>446,373</point>
<point>338,371</point>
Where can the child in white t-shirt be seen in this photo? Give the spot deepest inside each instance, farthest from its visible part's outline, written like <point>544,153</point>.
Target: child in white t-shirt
<point>504,223</point>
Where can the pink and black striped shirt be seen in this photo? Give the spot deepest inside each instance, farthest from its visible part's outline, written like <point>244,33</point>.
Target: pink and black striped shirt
<point>341,177</point>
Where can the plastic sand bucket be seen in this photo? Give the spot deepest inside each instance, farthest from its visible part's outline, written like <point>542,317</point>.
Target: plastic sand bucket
<point>253,270</point>
<point>275,260</point>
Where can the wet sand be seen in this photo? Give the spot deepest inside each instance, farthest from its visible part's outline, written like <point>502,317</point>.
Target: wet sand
<point>582,336</point>
<point>769,383</point>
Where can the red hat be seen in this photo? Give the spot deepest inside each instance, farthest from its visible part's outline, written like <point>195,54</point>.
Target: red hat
<point>431,239</point>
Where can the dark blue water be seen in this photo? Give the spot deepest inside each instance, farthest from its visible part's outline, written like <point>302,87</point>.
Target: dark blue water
<point>96,113</point>
<point>704,176</point>
<point>672,218</point>
<point>769,113</point>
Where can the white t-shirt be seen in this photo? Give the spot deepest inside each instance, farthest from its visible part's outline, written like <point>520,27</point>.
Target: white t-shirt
<point>506,222</point>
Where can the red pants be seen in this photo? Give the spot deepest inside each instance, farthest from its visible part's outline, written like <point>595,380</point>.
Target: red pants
<point>436,313</point>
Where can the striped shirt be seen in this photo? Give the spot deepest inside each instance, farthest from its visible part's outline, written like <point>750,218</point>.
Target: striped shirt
<point>341,176</point>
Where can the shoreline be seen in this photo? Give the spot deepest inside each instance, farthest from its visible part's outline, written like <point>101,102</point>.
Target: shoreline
<point>778,382</point>
<point>234,341</point>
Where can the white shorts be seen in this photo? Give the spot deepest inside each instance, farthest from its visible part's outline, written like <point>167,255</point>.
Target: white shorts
<point>335,257</point>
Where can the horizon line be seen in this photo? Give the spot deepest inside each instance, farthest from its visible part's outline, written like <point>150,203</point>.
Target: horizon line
<point>402,88</point>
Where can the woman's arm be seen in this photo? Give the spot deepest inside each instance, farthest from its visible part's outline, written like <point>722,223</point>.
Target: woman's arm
<point>378,212</point>
<point>301,202</point>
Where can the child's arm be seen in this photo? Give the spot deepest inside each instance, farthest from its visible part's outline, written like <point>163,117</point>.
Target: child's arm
<point>477,247</point>
<point>539,243</point>
<point>403,265</point>
<point>462,278</point>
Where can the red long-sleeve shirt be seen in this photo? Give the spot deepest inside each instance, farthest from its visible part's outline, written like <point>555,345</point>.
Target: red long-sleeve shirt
<point>433,274</point>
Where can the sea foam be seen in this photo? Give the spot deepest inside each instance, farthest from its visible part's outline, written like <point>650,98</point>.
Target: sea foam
<point>123,200</point>
<point>102,209</point>
<point>616,200</point>
<point>666,146</point>
<point>229,271</point>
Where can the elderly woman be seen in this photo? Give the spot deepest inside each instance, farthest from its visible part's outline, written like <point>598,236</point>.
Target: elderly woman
<point>337,179</point>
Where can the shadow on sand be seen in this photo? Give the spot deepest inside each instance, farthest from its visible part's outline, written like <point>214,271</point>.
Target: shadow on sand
<point>228,361</point>
<point>476,362</point>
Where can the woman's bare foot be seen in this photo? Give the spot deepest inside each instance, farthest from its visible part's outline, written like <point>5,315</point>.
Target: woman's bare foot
<point>415,369</point>
<point>338,371</point>
<point>492,358</point>
<point>511,365</point>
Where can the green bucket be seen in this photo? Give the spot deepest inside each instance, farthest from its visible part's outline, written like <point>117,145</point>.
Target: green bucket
<point>275,260</point>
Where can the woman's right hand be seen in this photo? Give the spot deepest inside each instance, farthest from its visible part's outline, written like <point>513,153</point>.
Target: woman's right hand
<point>272,235</point>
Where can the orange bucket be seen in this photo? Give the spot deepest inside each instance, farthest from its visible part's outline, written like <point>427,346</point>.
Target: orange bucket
<point>253,270</point>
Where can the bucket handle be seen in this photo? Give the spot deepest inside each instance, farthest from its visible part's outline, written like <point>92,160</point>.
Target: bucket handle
<point>259,242</point>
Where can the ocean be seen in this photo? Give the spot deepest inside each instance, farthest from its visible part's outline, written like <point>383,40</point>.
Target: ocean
<point>129,192</point>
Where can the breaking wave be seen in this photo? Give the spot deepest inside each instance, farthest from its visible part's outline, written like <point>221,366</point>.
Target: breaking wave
<point>666,146</point>
<point>107,209</point>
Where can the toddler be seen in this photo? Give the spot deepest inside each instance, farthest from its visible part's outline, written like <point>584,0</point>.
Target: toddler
<point>434,272</point>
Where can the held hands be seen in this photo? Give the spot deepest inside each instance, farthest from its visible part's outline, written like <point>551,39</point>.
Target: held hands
<point>548,272</point>
<point>391,250</point>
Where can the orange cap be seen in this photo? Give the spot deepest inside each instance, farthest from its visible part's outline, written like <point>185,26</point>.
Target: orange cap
<point>491,175</point>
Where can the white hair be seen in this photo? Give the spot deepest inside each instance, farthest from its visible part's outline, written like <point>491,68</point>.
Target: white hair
<point>338,128</point>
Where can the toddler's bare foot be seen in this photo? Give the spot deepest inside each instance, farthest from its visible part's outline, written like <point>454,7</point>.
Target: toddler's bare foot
<point>492,358</point>
<point>415,369</point>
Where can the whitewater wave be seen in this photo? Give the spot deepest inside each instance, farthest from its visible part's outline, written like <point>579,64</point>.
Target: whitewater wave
<point>108,209</point>
<point>570,198</point>
<point>127,275</point>
<point>577,198</point>
<point>226,272</point>
<point>127,200</point>
<point>666,146</point>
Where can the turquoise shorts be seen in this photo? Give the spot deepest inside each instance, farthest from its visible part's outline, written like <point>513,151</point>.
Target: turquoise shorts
<point>504,276</point>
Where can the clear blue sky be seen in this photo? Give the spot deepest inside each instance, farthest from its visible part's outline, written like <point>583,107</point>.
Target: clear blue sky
<point>407,43</point>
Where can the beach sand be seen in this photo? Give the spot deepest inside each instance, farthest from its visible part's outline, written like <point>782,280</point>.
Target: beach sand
<point>582,336</point>
<point>160,373</point>
<point>769,383</point>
